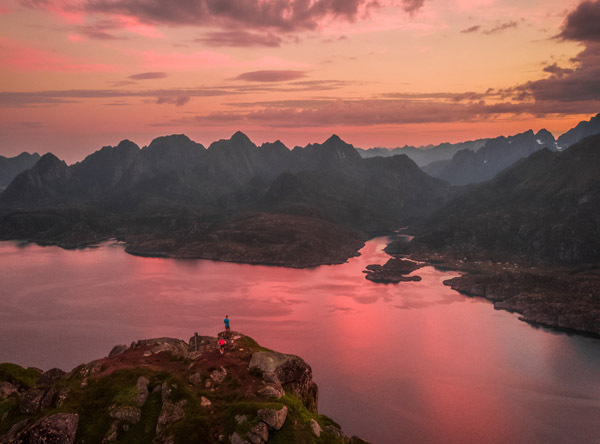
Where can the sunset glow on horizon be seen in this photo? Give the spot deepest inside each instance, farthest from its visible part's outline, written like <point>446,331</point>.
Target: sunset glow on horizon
<point>79,74</point>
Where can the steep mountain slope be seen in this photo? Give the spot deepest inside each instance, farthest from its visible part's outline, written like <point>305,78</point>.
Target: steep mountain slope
<point>470,166</point>
<point>546,208</point>
<point>10,167</point>
<point>467,166</point>
<point>581,131</point>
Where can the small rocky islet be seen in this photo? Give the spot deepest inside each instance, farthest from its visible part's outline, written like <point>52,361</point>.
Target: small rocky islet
<point>168,391</point>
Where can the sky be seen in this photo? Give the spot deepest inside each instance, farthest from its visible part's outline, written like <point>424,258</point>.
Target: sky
<point>76,75</point>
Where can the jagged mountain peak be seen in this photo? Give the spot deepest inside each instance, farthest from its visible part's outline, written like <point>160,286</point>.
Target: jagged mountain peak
<point>240,138</point>
<point>48,161</point>
<point>334,138</point>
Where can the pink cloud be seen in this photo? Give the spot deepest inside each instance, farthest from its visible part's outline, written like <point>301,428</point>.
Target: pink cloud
<point>133,25</point>
<point>20,56</point>
<point>75,37</point>
<point>4,10</point>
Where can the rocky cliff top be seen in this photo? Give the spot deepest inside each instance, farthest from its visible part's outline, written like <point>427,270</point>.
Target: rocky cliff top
<point>166,390</point>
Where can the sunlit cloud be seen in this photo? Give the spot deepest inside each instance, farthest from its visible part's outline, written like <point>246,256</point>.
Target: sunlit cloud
<point>271,76</point>
<point>20,56</point>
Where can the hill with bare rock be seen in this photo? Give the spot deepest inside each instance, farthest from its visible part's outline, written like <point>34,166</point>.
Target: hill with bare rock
<point>167,390</point>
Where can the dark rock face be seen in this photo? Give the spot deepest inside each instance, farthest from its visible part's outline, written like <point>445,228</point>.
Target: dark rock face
<point>12,166</point>
<point>31,401</point>
<point>50,376</point>
<point>581,131</point>
<point>45,183</point>
<point>497,154</point>
<point>543,209</point>
<point>59,428</point>
<point>291,372</point>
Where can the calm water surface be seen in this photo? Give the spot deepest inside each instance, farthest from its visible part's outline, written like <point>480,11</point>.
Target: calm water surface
<point>409,363</point>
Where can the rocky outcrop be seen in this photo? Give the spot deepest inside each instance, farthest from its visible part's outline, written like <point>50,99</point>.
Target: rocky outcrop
<point>393,271</point>
<point>167,391</point>
<point>289,371</point>
<point>59,428</point>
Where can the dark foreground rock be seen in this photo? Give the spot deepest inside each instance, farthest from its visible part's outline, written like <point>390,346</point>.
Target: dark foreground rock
<point>393,271</point>
<point>555,297</point>
<point>166,390</point>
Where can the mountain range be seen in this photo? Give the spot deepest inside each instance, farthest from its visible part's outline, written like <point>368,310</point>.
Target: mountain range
<point>177,198</point>
<point>543,209</point>
<point>424,155</point>
<point>238,201</point>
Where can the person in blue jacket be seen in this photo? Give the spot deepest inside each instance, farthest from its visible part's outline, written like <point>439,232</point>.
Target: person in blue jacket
<point>226,320</point>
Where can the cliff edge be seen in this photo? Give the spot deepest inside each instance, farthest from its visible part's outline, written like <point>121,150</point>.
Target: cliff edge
<point>168,391</point>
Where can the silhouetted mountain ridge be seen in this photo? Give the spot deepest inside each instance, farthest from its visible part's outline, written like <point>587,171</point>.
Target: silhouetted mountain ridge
<point>10,167</point>
<point>543,209</point>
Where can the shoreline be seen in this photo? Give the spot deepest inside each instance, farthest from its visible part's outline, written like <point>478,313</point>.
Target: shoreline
<point>548,297</point>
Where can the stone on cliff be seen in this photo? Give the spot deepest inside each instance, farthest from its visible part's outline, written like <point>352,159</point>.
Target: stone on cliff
<point>7,389</point>
<point>237,439</point>
<point>316,428</point>
<point>117,350</point>
<point>218,375</point>
<point>128,414</point>
<point>258,434</point>
<point>142,392</point>
<point>51,376</point>
<point>59,428</point>
<point>31,401</point>
<point>271,391</point>
<point>273,418</point>
<point>289,371</point>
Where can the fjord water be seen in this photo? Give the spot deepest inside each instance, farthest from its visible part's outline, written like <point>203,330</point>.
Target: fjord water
<point>414,362</point>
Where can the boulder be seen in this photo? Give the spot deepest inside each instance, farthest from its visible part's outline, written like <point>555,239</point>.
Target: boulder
<point>62,396</point>
<point>111,435</point>
<point>237,439</point>
<point>59,428</point>
<point>142,392</point>
<point>128,414</point>
<point>273,418</point>
<point>31,401</point>
<point>289,371</point>
<point>157,345</point>
<point>7,389</point>
<point>170,413</point>
<point>118,349</point>
<point>205,402</point>
<point>258,434</point>
<point>51,376</point>
<point>218,375</point>
<point>49,399</point>
<point>315,427</point>
<point>271,391</point>
<point>195,379</point>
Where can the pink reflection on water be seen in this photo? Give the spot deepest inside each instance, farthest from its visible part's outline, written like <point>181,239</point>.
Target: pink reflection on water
<point>414,362</point>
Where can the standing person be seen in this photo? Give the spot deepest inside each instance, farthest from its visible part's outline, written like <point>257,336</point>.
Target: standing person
<point>226,320</point>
